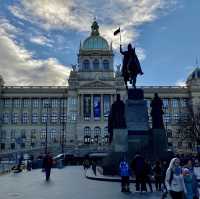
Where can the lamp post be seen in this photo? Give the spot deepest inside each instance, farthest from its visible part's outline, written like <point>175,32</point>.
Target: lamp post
<point>47,106</point>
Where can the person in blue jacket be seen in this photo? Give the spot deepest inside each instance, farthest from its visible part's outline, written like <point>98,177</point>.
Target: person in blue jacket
<point>124,173</point>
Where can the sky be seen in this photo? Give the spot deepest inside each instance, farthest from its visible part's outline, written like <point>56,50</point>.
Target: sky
<point>39,39</point>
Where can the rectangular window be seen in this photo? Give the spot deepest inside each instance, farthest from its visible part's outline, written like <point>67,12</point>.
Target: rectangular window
<point>3,146</point>
<point>53,135</point>
<point>36,103</point>
<point>23,134</point>
<point>33,134</point>
<point>87,107</point>
<point>73,116</point>
<point>184,102</point>
<point>106,105</point>
<point>97,107</point>
<point>63,102</point>
<point>26,103</point>
<point>15,118</point>
<point>165,103</point>
<point>6,118</point>
<point>55,103</point>
<point>54,117</point>
<point>3,135</point>
<point>44,117</point>
<point>174,103</point>
<point>25,118</point>
<point>45,103</point>
<point>12,146</point>
<point>63,117</point>
<point>34,118</point>
<point>12,134</point>
<point>179,144</point>
<point>16,103</point>
<point>43,134</point>
<point>7,103</point>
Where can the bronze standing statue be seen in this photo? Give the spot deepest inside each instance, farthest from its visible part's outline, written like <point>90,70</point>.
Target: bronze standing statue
<point>131,66</point>
<point>116,119</point>
<point>157,112</point>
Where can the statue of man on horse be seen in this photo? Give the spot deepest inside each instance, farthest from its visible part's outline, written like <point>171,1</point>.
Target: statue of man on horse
<point>131,66</point>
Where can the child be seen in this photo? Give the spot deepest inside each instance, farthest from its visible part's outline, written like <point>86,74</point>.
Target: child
<point>190,184</point>
<point>124,173</point>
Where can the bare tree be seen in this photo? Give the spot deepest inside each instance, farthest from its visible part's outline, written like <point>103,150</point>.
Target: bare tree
<point>190,129</point>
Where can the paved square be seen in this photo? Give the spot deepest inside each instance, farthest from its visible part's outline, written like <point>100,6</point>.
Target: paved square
<point>69,182</point>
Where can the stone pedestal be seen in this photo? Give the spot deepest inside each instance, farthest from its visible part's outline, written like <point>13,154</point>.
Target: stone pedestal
<point>137,122</point>
<point>159,143</point>
<point>120,140</point>
<point>119,150</point>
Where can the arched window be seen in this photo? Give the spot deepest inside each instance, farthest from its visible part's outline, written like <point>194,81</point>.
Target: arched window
<point>86,64</point>
<point>96,64</point>
<point>87,135</point>
<point>106,135</point>
<point>97,134</point>
<point>105,64</point>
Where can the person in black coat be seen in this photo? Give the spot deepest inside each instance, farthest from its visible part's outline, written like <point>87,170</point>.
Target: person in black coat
<point>138,167</point>
<point>47,165</point>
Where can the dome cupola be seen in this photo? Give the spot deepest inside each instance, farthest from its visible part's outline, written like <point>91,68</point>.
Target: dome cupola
<point>95,41</point>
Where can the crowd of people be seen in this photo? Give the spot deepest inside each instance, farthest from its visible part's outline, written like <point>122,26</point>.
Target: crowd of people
<point>177,178</point>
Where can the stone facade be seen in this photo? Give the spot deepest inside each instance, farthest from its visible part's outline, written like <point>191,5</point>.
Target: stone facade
<point>78,113</point>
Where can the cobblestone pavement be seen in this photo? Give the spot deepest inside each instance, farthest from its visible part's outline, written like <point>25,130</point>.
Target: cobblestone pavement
<point>69,182</point>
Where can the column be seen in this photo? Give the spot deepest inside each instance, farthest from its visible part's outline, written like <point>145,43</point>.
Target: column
<point>92,112</point>
<point>102,115</point>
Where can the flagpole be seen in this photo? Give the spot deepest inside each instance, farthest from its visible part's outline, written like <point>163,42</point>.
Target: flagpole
<point>120,37</point>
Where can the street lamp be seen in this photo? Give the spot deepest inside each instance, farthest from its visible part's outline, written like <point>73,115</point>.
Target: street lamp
<point>47,106</point>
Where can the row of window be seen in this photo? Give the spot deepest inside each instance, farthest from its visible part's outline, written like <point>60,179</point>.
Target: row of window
<point>174,102</point>
<point>35,118</point>
<point>97,131</point>
<point>34,103</point>
<point>97,137</point>
<point>95,64</point>
<point>22,135</point>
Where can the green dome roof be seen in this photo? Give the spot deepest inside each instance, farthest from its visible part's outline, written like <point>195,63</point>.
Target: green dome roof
<point>95,41</point>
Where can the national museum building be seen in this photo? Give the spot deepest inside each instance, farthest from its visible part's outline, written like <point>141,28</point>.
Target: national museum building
<point>77,115</point>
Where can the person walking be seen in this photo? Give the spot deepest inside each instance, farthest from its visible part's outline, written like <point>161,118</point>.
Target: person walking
<point>164,167</point>
<point>149,174</point>
<point>196,172</point>
<point>138,166</point>
<point>174,180</point>
<point>158,175</point>
<point>94,167</point>
<point>190,184</point>
<point>124,173</point>
<point>47,165</point>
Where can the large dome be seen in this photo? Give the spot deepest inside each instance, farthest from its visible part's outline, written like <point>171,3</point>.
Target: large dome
<point>95,41</point>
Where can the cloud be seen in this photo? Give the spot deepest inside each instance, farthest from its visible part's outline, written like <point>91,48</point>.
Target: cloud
<point>18,67</point>
<point>41,40</point>
<point>78,15</point>
<point>181,82</point>
<point>7,28</point>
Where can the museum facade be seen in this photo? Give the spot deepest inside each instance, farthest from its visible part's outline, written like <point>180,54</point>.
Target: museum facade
<point>77,115</point>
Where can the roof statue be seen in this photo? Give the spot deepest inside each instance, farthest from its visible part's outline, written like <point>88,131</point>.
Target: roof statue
<point>95,29</point>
